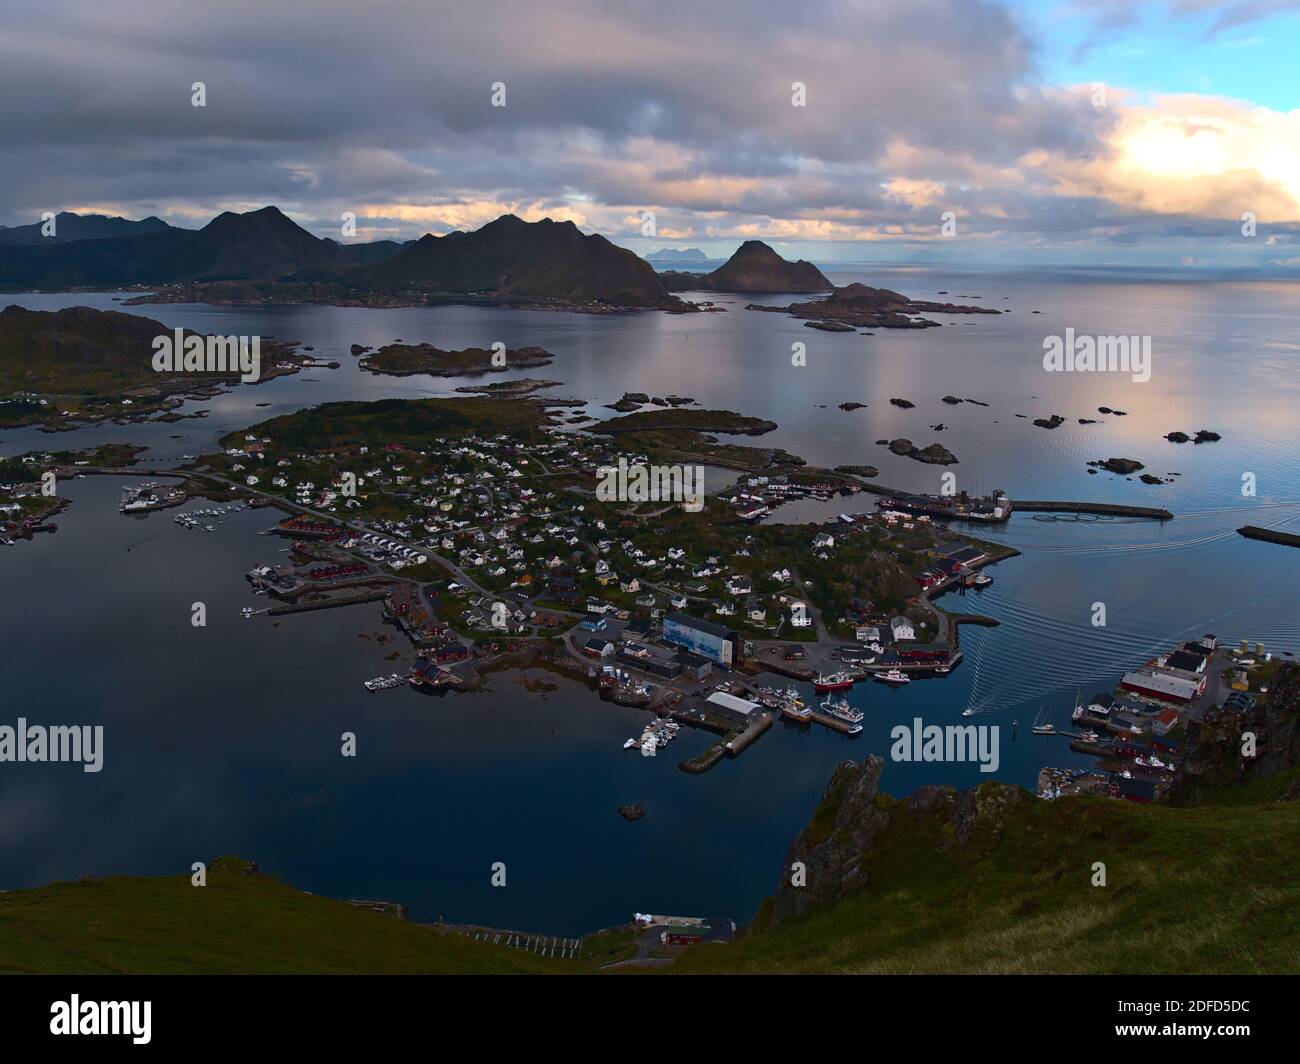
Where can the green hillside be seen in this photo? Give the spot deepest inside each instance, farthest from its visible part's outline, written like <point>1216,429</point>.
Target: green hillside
<point>241,922</point>
<point>1213,889</point>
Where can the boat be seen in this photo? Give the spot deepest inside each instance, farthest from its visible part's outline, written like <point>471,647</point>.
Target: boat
<point>798,714</point>
<point>841,709</point>
<point>1041,727</point>
<point>246,612</point>
<point>968,713</point>
<point>942,670</point>
<point>982,580</point>
<point>836,681</point>
<point>631,743</point>
<point>893,676</point>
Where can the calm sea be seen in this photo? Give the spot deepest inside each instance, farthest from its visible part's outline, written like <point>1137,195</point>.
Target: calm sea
<point>226,739</point>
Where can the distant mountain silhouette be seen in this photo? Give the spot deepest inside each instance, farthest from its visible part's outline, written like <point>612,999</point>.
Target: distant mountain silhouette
<point>258,245</point>
<point>512,259</point>
<point>755,267</point>
<point>673,255</point>
<point>69,227</point>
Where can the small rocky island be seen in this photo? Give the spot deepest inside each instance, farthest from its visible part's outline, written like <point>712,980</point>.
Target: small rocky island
<point>935,454</point>
<point>862,307</point>
<point>405,360</point>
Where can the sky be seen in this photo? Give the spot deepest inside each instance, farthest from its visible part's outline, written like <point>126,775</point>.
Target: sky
<point>1028,131</point>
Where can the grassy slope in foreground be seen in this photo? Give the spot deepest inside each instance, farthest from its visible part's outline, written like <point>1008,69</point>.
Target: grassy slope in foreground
<point>238,923</point>
<point>1213,889</point>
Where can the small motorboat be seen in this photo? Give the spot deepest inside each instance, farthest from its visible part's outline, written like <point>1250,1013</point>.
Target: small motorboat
<point>893,676</point>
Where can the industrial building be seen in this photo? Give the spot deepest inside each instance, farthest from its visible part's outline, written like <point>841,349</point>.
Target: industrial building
<point>720,645</point>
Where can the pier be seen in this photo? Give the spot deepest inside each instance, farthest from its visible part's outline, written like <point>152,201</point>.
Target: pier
<point>1104,509</point>
<point>1268,535</point>
<point>325,604</point>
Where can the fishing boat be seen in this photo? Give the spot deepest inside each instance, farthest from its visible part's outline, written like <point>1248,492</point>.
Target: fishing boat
<point>797,713</point>
<point>893,676</point>
<point>840,708</point>
<point>836,681</point>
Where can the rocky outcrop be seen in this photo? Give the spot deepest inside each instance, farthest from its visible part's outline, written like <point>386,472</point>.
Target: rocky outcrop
<point>1213,750</point>
<point>1122,466</point>
<point>935,454</point>
<point>832,847</point>
<point>852,823</point>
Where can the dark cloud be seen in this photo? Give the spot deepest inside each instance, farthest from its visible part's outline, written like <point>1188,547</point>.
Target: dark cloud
<point>683,107</point>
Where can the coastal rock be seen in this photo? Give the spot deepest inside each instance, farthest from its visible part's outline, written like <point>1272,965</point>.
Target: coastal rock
<point>834,845</point>
<point>631,812</point>
<point>854,819</point>
<point>358,349</point>
<point>853,406</point>
<point>903,403</point>
<point>1177,437</point>
<point>867,471</point>
<point>952,400</point>
<point>1122,466</point>
<point>1212,756</point>
<point>1049,422</point>
<point>829,326</point>
<point>1206,436</point>
<point>935,454</point>
<point>1148,478</point>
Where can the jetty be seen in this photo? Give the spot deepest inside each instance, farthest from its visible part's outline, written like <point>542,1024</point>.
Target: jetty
<point>1104,509</point>
<point>1268,535</point>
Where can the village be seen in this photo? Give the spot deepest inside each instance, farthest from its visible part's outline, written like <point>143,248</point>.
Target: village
<point>486,553</point>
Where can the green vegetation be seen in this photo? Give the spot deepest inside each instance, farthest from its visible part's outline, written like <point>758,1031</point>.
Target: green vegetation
<point>406,359</point>
<point>688,418</point>
<point>406,422</point>
<point>240,922</point>
<point>1209,889</point>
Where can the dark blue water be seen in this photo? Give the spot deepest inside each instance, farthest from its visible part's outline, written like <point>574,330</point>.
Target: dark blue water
<point>226,739</point>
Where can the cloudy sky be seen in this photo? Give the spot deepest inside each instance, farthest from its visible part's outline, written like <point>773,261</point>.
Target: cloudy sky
<point>1091,131</point>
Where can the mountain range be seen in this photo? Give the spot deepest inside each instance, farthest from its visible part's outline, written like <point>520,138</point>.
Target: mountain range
<point>69,227</point>
<point>264,256</point>
<point>115,252</point>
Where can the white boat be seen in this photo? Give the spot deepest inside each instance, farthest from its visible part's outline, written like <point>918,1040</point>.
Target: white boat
<point>968,713</point>
<point>631,743</point>
<point>1041,727</point>
<point>842,710</point>
<point>893,676</point>
<point>982,580</point>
